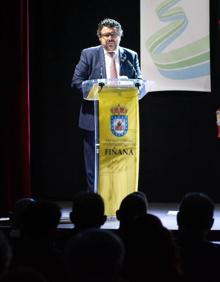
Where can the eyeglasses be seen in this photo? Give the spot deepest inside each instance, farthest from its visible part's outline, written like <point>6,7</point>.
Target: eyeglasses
<point>112,34</point>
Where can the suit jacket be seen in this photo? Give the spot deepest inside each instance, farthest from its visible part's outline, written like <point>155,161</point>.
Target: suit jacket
<point>92,66</point>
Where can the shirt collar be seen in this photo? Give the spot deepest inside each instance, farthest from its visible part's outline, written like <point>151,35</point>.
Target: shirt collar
<point>116,51</point>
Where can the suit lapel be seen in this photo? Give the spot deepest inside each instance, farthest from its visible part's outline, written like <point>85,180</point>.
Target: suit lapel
<point>122,55</point>
<point>102,62</point>
<point>123,58</point>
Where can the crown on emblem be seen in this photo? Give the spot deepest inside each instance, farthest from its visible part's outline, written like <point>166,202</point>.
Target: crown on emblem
<point>119,110</point>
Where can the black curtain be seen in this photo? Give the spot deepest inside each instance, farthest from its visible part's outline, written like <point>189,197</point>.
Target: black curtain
<point>15,149</point>
<point>179,144</point>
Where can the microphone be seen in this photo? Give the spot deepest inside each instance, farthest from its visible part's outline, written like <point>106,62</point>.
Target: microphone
<point>133,68</point>
<point>123,58</point>
<point>101,72</point>
<point>137,84</point>
<point>101,84</point>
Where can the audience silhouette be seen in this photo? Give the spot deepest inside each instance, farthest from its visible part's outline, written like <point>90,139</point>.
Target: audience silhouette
<point>141,249</point>
<point>25,275</point>
<point>195,218</point>
<point>36,247</point>
<point>132,206</point>
<point>16,216</point>
<point>151,252</point>
<point>5,254</point>
<point>88,210</point>
<point>95,255</point>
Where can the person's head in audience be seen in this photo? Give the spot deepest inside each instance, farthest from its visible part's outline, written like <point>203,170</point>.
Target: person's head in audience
<point>96,255</point>
<point>24,274</point>
<point>40,220</point>
<point>133,205</point>
<point>16,215</point>
<point>88,210</point>
<point>5,254</point>
<point>196,214</point>
<point>151,251</point>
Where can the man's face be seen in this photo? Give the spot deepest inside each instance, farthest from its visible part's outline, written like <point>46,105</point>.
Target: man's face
<point>109,38</point>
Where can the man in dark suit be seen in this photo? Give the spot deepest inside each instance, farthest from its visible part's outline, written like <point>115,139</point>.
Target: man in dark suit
<point>95,63</point>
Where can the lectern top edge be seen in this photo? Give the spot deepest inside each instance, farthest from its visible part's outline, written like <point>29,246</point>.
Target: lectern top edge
<point>91,88</point>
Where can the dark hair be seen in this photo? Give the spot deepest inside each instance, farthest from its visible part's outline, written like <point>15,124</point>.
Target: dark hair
<point>133,204</point>
<point>111,24</point>
<point>88,209</point>
<point>196,210</point>
<point>92,252</point>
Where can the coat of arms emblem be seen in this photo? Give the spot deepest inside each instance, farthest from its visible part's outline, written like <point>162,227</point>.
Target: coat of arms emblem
<point>119,120</point>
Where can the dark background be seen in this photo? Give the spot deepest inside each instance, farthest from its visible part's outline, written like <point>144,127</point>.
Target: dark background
<point>178,133</point>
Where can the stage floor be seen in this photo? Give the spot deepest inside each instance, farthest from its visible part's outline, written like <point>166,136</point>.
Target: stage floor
<point>165,211</point>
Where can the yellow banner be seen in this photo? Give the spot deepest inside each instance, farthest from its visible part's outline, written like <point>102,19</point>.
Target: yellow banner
<point>118,145</point>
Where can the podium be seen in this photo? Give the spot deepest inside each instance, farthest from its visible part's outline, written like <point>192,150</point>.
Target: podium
<point>116,118</point>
